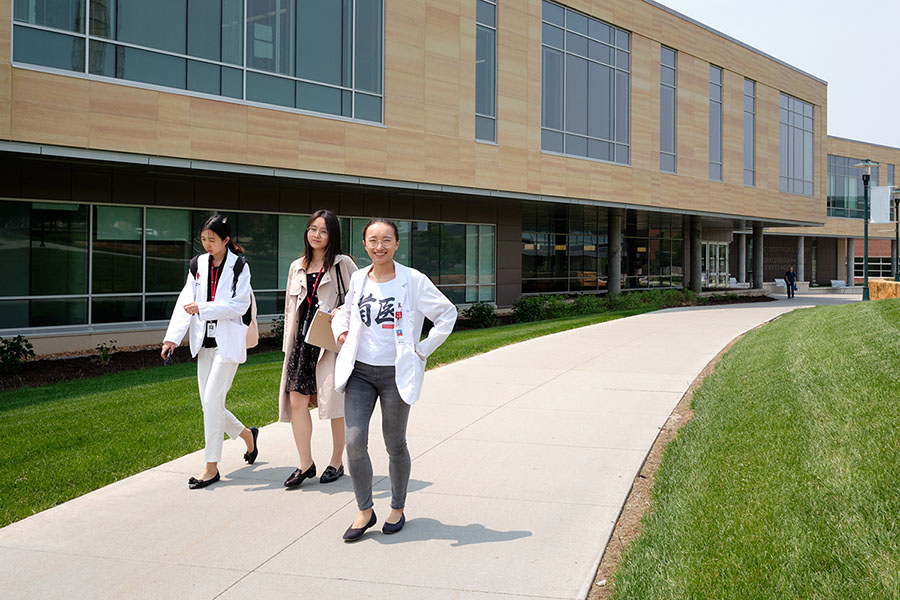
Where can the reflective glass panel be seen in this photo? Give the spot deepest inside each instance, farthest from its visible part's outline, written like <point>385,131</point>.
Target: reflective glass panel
<point>115,309</point>
<point>485,71</point>
<point>116,251</point>
<point>56,50</point>
<point>169,249</point>
<point>58,14</point>
<point>59,248</point>
<point>323,41</point>
<point>15,255</point>
<point>272,90</point>
<point>369,36</point>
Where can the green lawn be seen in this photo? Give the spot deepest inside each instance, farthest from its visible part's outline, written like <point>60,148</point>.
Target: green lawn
<point>786,484</point>
<point>62,441</point>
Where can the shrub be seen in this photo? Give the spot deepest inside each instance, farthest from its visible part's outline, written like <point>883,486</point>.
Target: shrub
<point>529,308</point>
<point>589,305</point>
<point>14,352</point>
<point>278,329</point>
<point>556,306</point>
<point>105,349</point>
<point>481,315</point>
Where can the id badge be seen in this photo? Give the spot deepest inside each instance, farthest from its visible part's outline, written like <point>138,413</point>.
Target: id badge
<point>211,329</point>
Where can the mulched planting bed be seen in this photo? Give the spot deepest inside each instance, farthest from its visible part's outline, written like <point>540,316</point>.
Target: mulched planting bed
<point>68,367</point>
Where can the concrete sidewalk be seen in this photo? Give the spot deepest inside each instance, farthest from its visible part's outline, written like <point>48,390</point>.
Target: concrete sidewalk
<point>522,460</point>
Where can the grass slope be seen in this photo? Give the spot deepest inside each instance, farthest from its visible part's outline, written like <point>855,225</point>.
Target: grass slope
<point>786,482</point>
<point>64,440</point>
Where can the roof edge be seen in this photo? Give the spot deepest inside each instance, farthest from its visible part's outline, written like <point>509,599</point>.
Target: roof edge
<point>731,39</point>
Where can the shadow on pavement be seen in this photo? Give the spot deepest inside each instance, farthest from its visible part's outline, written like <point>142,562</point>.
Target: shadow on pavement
<point>421,529</point>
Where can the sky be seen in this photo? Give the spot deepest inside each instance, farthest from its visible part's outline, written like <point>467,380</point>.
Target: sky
<point>858,55</point>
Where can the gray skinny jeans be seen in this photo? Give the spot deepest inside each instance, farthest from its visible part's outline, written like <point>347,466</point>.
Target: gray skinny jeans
<point>366,383</point>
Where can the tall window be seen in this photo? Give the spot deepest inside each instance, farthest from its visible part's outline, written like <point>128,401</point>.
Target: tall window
<point>890,175</point>
<point>715,123</point>
<point>584,86</point>
<point>324,57</point>
<point>845,187</point>
<point>486,71</point>
<point>796,146</point>
<point>668,80</point>
<point>749,132</point>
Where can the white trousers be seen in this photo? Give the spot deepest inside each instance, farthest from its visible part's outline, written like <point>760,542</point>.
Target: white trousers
<point>214,378</point>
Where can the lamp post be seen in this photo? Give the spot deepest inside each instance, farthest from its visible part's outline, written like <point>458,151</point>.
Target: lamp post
<point>895,191</point>
<point>867,166</point>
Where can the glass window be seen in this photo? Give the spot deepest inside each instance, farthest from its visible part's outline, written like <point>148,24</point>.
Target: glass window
<point>159,308</point>
<point>116,250</point>
<point>485,72</point>
<point>58,14</point>
<point>270,90</point>
<point>270,24</point>
<point>796,146</point>
<point>749,132</point>
<point>291,245</point>
<point>116,309</point>
<point>845,187</point>
<point>323,41</point>
<point>890,175</point>
<point>15,231</point>
<point>256,233</point>
<point>667,109</point>
<point>335,48</point>
<point>47,49</point>
<point>369,39</point>
<point>59,246</point>
<point>149,24</point>
<point>204,28</point>
<point>123,62</point>
<point>715,123</point>
<point>583,93</point>
<point>169,249</point>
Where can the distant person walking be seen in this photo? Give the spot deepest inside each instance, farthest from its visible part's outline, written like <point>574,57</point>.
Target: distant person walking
<point>383,358</point>
<point>790,281</point>
<point>317,280</point>
<point>212,306</point>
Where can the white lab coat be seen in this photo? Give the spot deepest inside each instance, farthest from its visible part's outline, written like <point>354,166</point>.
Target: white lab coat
<point>417,298</point>
<point>227,310</point>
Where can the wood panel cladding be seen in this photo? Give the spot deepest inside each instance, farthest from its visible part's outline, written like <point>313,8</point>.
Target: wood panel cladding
<point>428,132</point>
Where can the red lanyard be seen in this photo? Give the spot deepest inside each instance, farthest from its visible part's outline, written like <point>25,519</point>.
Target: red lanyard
<point>315,287</point>
<point>214,277</point>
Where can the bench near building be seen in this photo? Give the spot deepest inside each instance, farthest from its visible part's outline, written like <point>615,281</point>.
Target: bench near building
<point>522,147</point>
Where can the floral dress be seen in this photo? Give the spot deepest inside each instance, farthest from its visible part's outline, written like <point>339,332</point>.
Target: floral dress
<point>301,368</point>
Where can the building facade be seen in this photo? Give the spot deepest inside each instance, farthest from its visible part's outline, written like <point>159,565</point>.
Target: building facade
<point>527,147</point>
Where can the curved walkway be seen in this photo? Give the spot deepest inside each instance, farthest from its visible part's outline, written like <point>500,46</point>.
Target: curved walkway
<point>522,460</point>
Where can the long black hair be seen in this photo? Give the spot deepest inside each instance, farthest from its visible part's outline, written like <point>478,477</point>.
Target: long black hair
<point>221,226</point>
<point>333,248</point>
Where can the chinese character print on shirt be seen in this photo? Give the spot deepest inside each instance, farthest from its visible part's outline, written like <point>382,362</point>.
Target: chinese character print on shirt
<point>385,314</point>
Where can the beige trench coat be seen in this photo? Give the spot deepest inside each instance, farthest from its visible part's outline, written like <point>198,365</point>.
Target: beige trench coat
<point>331,403</point>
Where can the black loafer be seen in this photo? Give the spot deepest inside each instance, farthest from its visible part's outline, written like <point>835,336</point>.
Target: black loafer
<point>390,528</point>
<point>250,457</point>
<point>351,535</point>
<point>331,474</point>
<point>196,484</point>
<point>298,476</point>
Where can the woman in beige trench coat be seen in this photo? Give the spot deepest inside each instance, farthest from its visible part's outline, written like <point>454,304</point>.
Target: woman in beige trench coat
<point>307,375</point>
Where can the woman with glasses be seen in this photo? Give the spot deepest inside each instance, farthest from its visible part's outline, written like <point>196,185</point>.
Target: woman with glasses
<point>316,281</point>
<point>382,358</point>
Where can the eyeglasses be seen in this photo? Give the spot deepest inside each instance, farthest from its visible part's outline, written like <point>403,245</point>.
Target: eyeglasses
<point>385,243</point>
<point>319,232</point>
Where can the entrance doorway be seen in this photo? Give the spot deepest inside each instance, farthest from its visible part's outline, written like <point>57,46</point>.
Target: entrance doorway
<point>714,264</point>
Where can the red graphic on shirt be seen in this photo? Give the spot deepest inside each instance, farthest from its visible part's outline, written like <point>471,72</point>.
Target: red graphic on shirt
<point>387,326</point>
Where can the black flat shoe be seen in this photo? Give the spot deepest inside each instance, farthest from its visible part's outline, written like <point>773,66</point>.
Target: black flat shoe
<point>351,535</point>
<point>298,476</point>
<point>331,474</point>
<point>390,528</point>
<point>196,484</point>
<point>250,457</point>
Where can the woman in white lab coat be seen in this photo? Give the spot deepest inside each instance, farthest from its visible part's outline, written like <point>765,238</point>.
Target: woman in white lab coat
<point>211,307</point>
<point>382,358</point>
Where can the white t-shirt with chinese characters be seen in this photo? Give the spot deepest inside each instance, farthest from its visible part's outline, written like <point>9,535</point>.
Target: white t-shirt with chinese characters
<point>377,306</point>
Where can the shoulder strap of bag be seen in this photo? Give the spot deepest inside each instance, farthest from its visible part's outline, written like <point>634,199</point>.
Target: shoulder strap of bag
<point>340,284</point>
<point>194,266</point>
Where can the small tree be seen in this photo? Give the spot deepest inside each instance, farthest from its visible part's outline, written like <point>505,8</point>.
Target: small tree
<point>14,352</point>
